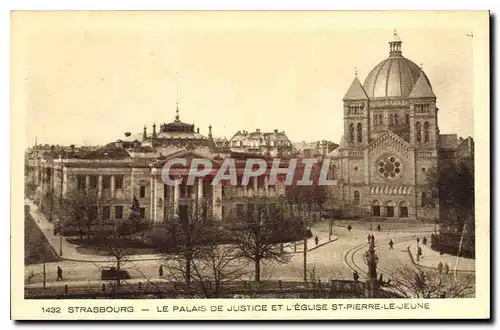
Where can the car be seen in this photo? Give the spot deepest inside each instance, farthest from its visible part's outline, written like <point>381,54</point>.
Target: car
<point>112,273</point>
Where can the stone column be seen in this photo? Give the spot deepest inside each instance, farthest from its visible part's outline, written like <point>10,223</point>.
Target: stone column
<point>65,184</point>
<point>200,189</point>
<point>266,184</point>
<point>177,195</point>
<point>87,182</point>
<point>152,202</point>
<point>112,186</point>
<point>160,197</point>
<point>217,195</point>
<point>99,186</point>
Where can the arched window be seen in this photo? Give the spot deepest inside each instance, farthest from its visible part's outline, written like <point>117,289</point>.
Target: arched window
<point>403,210</point>
<point>376,208</point>
<point>396,119</point>
<point>351,132</point>
<point>359,133</point>
<point>426,131</point>
<point>418,131</point>
<point>407,118</point>
<point>423,199</point>
<point>356,197</point>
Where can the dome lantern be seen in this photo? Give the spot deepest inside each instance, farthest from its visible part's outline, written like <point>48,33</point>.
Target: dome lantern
<point>395,45</point>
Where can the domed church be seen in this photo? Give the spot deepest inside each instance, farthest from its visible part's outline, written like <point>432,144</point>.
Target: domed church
<point>391,138</point>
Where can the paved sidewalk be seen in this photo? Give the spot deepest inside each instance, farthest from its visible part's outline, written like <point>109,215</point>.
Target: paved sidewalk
<point>430,259</point>
<point>69,251</point>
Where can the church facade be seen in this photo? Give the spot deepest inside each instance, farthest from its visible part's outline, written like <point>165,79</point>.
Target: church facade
<point>391,139</point>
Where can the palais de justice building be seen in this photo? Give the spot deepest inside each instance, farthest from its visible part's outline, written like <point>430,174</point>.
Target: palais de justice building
<point>391,138</point>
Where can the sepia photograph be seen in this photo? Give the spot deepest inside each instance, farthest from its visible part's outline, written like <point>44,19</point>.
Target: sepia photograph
<point>268,156</point>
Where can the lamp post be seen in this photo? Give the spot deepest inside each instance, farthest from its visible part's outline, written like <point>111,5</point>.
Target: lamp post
<point>60,246</point>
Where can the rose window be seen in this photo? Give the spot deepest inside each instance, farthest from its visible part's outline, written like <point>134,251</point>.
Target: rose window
<point>389,167</point>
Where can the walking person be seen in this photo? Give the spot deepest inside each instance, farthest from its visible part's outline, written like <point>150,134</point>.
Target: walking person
<point>378,227</point>
<point>369,237</point>
<point>355,276</point>
<point>446,269</point>
<point>160,271</point>
<point>391,245</point>
<point>59,274</point>
<point>349,228</point>
<point>316,239</point>
<point>418,240</point>
<point>440,267</point>
<point>424,240</point>
<point>373,239</point>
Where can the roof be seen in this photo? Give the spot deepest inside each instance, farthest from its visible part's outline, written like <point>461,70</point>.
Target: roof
<point>109,151</point>
<point>356,91</point>
<point>422,88</point>
<point>393,77</point>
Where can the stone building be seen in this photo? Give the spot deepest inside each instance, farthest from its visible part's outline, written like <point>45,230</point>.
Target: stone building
<point>275,144</point>
<point>391,138</point>
<point>132,166</point>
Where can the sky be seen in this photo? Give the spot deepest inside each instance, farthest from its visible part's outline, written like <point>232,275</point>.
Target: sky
<point>89,77</point>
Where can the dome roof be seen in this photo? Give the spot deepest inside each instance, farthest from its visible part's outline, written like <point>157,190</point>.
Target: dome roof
<point>393,77</point>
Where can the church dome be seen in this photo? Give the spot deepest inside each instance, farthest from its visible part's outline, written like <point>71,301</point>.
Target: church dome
<point>394,77</point>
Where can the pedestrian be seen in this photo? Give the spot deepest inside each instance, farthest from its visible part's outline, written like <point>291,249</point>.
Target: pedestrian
<point>424,240</point>
<point>446,269</point>
<point>440,267</point>
<point>419,251</point>
<point>371,227</point>
<point>369,237</point>
<point>381,280</point>
<point>316,239</point>
<point>391,245</point>
<point>378,227</point>
<point>355,276</point>
<point>160,271</point>
<point>59,274</point>
<point>373,239</point>
<point>418,240</point>
<point>349,228</point>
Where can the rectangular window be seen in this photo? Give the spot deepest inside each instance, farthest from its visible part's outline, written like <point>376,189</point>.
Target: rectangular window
<point>239,210</point>
<point>118,181</point>
<point>106,182</point>
<point>118,212</point>
<point>142,212</point>
<point>106,212</point>
<point>94,181</point>
<point>81,182</point>
<point>142,191</point>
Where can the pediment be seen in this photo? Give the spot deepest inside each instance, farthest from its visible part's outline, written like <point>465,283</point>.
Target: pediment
<point>391,141</point>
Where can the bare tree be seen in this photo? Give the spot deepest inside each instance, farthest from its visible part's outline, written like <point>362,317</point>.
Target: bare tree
<point>413,282</point>
<point>80,208</point>
<point>258,237</point>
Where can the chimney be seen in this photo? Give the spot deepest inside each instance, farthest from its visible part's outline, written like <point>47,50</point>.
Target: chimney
<point>210,131</point>
<point>198,130</point>
<point>154,131</point>
<point>275,131</point>
<point>258,130</point>
<point>127,134</point>
<point>145,133</point>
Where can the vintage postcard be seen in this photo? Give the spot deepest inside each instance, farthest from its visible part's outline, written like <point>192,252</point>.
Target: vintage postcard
<point>250,165</point>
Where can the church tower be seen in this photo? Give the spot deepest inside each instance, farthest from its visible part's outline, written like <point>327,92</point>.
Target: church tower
<point>424,130</point>
<point>356,115</point>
